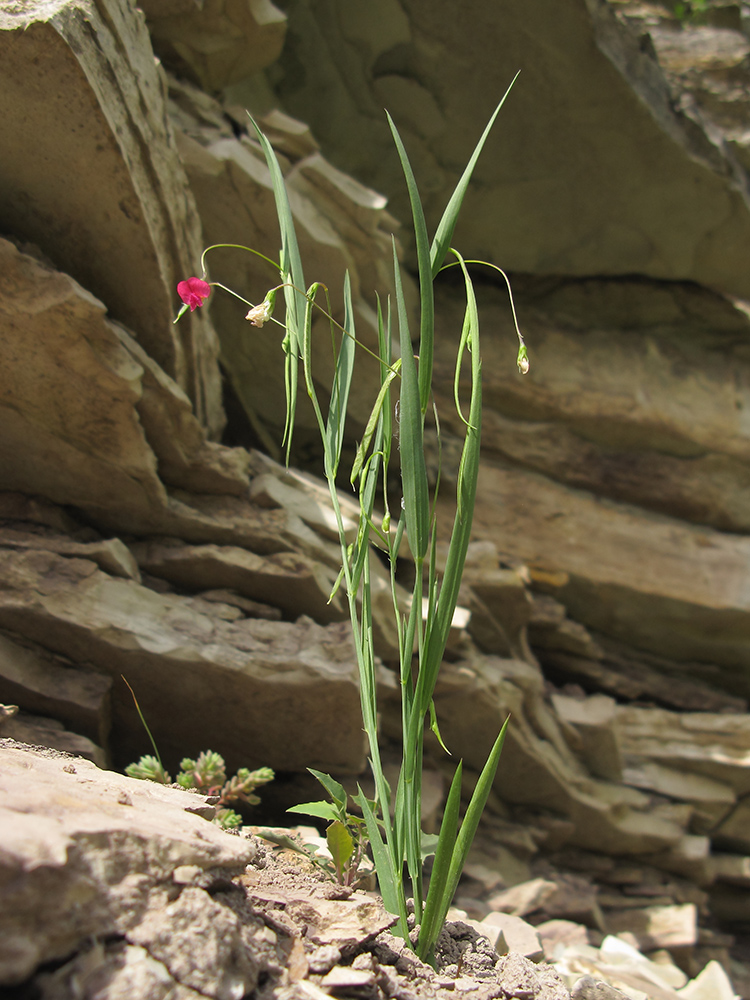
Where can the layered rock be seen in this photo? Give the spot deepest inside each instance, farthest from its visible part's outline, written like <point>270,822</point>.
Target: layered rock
<point>92,177</point>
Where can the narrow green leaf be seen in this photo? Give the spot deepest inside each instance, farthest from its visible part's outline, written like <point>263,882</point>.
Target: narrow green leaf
<point>435,728</point>
<point>426,295</point>
<point>291,274</point>
<point>372,421</point>
<point>342,381</point>
<point>387,880</point>
<point>444,234</point>
<point>435,910</point>
<point>411,435</point>
<point>473,815</point>
<point>466,489</point>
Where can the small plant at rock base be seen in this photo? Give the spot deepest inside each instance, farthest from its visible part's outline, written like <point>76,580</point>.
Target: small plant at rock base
<point>207,774</point>
<point>346,833</point>
<point>393,433</point>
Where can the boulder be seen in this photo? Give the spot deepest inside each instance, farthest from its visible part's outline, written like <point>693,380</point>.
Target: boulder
<point>88,853</point>
<point>92,176</point>
<point>611,176</point>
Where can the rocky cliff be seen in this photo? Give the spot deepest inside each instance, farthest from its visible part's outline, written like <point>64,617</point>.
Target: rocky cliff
<point>605,602</point>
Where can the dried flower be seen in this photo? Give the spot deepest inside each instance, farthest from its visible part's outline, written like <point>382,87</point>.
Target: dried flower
<point>261,314</point>
<point>193,292</point>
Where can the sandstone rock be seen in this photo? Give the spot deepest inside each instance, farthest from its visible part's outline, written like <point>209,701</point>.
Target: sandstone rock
<point>93,178</point>
<point>239,688</point>
<point>90,853</point>
<point>709,744</point>
<point>734,832</point>
<point>537,766</point>
<point>731,868</point>
<point>593,719</point>
<point>658,195</point>
<point>627,395</point>
<point>712,799</point>
<point>524,898</point>
<point>343,922</point>
<point>110,554</point>
<point>544,524</point>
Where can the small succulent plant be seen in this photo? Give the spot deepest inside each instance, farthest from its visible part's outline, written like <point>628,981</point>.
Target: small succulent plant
<point>208,774</point>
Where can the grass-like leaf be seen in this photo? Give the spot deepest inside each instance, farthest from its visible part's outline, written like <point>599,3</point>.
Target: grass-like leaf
<point>413,468</point>
<point>293,278</point>
<point>444,233</point>
<point>426,294</point>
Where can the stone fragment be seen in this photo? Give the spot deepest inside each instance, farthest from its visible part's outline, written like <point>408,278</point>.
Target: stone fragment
<point>510,933</point>
<point>690,857</point>
<point>732,868</point>
<point>41,684</point>
<point>115,212</point>
<point>593,719</point>
<point>588,988</point>
<point>86,853</point>
<point>344,922</point>
<point>201,943</point>
<point>120,970</point>
<point>524,898</point>
<point>712,799</point>
<point>239,688</point>
<point>345,981</point>
<point>711,984</point>
<point>110,554</point>
<point>657,926</point>
<point>524,978</point>
<point>313,506</point>
<point>556,935</point>
<point>251,609</point>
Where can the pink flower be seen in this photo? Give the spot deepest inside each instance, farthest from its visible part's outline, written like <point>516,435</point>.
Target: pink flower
<point>193,292</point>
